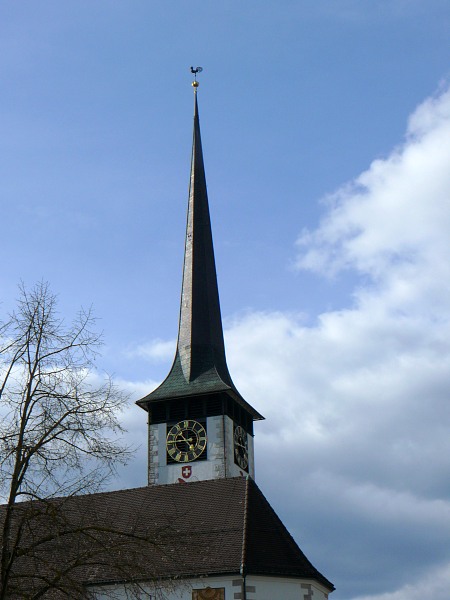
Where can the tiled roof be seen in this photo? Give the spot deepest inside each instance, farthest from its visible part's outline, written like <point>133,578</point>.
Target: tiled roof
<point>171,531</point>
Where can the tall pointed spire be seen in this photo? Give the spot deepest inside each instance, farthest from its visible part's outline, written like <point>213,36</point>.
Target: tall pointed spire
<point>200,337</point>
<point>200,364</point>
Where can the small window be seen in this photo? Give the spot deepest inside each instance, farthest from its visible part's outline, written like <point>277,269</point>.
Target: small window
<point>209,593</point>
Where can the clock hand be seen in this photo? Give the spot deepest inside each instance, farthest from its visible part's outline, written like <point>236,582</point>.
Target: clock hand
<point>188,441</point>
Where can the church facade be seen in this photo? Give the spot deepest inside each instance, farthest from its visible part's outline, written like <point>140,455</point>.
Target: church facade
<point>201,434</point>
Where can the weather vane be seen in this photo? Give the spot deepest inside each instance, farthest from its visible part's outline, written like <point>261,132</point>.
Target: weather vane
<point>194,72</point>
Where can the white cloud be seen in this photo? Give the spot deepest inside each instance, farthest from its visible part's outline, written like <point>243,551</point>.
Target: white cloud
<point>391,224</point>
<point>133,419</point>
<point>155,350</point>
<point>434,585</point>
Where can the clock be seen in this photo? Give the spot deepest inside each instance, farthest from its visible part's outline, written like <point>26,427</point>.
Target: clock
<point>186,441</point>
<point>241,447</point>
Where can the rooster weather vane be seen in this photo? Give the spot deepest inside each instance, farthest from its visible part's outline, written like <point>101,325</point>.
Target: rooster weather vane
<point>194,73</point>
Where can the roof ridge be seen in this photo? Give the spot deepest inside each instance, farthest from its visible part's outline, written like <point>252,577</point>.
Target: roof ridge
<point>128,490</point>
<point>244,527</point>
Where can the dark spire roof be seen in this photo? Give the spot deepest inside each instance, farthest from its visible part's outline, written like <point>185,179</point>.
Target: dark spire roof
<point>200,365</point>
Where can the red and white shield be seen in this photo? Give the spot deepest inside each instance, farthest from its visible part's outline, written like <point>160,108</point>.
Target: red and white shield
<point>186,472</point>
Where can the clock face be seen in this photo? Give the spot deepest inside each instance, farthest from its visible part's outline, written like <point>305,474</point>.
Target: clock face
<point>240,447</point>
<point>186,441</point>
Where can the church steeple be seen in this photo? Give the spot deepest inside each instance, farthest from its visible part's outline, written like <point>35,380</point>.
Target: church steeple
<point>200,337</point>
<point>199,374</point>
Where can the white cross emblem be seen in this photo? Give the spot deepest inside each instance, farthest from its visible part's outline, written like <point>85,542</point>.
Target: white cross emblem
<point>186,472</point>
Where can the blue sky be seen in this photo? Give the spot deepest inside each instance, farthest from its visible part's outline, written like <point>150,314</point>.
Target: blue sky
<point>326,132</point>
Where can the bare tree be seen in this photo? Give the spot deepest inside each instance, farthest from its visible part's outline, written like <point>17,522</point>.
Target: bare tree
<point>59,431</point>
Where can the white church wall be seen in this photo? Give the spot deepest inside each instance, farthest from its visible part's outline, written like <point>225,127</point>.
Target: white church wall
<point>257,588</point>
<point>179,590</point>
<point>274,588</point>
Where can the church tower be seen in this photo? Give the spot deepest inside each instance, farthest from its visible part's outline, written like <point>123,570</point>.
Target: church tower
<point>200,427</point>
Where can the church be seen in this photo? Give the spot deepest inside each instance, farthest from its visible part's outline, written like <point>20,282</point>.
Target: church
<point>201,529</point>
<point>200,433</point>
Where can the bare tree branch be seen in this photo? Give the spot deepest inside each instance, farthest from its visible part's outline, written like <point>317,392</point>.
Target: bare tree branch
<point>59,432</point>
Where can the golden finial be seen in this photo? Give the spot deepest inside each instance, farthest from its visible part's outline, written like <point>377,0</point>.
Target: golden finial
<point>195,83</point>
